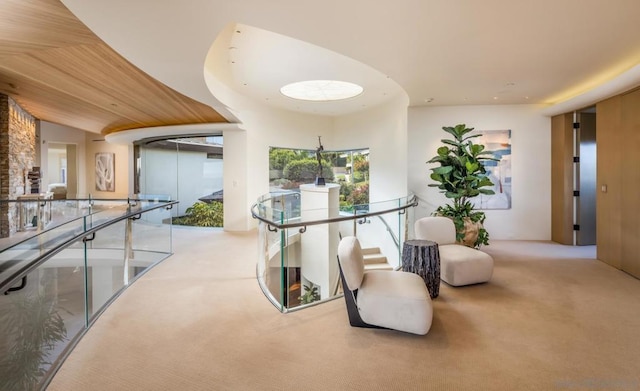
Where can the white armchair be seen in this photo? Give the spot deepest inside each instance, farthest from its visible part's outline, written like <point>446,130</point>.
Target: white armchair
<point>382,298</point>
<point>459,265</point>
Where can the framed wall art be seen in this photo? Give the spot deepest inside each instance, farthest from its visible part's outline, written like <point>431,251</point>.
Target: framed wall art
<point>499,143</point>
<point>105,171</point>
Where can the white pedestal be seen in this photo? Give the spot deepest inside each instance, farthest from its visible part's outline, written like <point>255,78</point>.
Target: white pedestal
<point>319,244</point>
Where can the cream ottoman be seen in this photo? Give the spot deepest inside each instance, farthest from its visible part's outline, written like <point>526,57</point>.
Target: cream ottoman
<point>462,265</point>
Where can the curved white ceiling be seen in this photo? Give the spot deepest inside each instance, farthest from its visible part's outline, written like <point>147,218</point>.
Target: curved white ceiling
<point>441,52</point>
<point>259,63</point>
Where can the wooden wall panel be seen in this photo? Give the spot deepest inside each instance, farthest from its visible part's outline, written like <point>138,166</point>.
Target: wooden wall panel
<point>609,154</point>
<point>630,171</point>
<point>562,179</point>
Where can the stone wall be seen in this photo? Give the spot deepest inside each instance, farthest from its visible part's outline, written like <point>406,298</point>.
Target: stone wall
<point>17,157</point>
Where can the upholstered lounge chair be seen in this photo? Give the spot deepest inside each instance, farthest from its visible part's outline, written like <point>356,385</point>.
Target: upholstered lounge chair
<point>459,265</point>
<point>382,298</point>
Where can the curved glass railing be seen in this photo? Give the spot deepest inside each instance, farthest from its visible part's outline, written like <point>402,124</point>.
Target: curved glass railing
<point>297,245</point>
<point>56,277</point>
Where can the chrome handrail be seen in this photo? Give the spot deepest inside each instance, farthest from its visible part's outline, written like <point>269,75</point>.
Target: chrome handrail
<point>395,239</point>
<point>131,200</point>
<point>133,210</point>
<point>412,202</point>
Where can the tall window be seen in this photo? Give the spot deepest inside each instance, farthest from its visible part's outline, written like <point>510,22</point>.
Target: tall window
<point>185,169</point>
<point>289,168</point>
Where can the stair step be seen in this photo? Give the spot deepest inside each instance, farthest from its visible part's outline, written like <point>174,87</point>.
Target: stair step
<point>371,250</point>
<point>374,258</point>
<point>378,266</point>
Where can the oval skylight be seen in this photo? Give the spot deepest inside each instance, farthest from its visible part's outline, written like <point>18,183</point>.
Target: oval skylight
<point>321,90</point>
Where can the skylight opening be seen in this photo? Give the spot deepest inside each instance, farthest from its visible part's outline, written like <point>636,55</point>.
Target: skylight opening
<point>321,90</point>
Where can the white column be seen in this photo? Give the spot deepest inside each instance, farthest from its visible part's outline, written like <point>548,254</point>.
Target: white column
<point>319,244</point>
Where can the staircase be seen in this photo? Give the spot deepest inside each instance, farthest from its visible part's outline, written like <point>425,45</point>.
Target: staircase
<point>375,260</point>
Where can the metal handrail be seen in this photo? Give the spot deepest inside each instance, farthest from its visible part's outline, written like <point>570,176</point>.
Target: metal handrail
<point>412,202</point>
<point>27,268</point>
<point>395,239</point>
<point>91,211</point>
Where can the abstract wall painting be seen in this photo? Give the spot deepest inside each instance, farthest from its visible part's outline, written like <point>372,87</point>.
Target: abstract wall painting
<point>105,171</point>
<point>499,143</point>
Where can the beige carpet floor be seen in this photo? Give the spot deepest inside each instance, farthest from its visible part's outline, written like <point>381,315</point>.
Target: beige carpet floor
<point>552,318</point>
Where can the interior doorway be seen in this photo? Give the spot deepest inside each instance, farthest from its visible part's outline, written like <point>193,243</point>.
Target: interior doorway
<point>62,170</point>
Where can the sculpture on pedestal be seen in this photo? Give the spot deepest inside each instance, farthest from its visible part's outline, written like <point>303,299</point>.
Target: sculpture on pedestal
<point>319,179</point>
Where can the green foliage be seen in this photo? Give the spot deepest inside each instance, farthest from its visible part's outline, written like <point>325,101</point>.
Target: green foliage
<point>361,166</point>
<point>32,326</point>
<point>334,159</point>
<point>310,295</point>
<point>306,170</point>
<point>279,157</point>
<point>202,214</point>
<point>360,195</point>
<point>351,195</point>
<point>461,175</point>
<point>346,189</point>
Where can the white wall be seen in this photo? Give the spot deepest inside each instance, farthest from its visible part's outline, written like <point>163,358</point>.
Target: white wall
<point>54,133</point>
<point>530,215</point>
<point>382,129</point>
<point>246,156</point>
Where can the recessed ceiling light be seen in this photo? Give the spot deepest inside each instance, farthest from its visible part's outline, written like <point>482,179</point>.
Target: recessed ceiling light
<point>321,90</point>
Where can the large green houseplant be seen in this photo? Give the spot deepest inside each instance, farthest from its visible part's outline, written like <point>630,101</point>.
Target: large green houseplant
<point>461,176</point>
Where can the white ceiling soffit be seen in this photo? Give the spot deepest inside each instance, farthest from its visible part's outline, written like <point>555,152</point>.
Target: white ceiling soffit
<point>127,137</point>
<point>606,90</point>
<point>262,62</point>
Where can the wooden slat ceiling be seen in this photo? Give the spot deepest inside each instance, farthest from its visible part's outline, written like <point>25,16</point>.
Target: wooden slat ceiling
<point>59,71</point>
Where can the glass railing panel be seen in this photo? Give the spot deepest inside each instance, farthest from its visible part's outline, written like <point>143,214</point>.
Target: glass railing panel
<point>280,207</point>
<point>272,250</point>
<point>63,211</point>
<point>106,272</point>
<point>43,313</point>
<point>313,259</point>
<point>39,321</point>
<point>152,197</point>
<point>269,207</point>
<point>151,233</point>
<point>307,246</point>
<point>378,235</point>
<point>18,256</point>
<point>307,270</point>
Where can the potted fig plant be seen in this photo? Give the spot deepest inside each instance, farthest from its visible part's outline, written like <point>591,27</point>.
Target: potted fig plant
<point>461,175</point>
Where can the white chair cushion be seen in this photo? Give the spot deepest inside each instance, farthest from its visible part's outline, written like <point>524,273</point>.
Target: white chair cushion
<point>351,261</point>
<point>462,265</point>
<point>436,228</point>
<point>395,300</point>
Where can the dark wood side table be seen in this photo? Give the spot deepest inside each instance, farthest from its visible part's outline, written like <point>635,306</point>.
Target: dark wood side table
<point>423,258</point>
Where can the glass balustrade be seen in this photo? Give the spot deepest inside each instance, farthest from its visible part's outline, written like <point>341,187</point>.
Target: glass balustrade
<point>56,281</point>
<point>297,262</point>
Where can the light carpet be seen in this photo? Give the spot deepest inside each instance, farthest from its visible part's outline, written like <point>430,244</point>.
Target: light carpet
<point>551,318</point>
